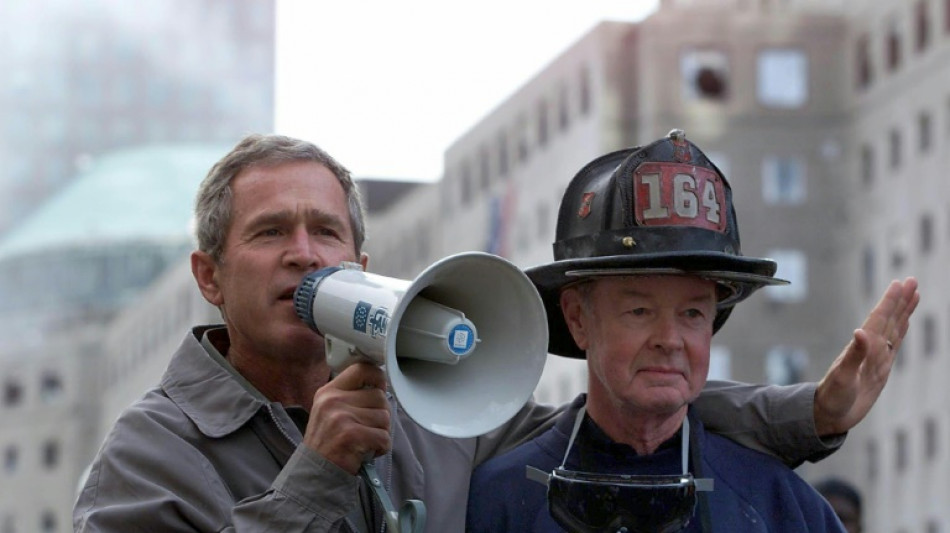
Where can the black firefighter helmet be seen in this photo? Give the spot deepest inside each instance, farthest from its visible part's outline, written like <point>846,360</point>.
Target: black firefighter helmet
<point>659,209</point>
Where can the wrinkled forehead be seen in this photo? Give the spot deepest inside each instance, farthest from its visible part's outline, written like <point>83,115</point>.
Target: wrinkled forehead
<point>658,286</point>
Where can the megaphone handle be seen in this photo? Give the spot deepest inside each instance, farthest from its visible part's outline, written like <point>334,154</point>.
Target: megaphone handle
<point>411,518</point>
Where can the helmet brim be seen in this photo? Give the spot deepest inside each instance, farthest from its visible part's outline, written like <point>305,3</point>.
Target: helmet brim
<point>739,274</point>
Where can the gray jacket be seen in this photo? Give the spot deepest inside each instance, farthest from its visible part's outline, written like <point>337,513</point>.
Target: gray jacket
<point>204,452</point>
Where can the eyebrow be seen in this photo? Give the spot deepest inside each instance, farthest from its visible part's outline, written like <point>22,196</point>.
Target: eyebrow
<point>283,215</point>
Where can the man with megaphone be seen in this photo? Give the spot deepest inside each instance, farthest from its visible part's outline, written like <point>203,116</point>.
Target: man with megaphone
<point>248,432</point>
<point>647,268</point>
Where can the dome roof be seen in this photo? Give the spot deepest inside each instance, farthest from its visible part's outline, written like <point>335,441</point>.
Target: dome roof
<point>140,194</point>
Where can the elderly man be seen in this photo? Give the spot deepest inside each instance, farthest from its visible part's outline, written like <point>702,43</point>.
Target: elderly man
<point>247,432</point>
<point>648,268</point>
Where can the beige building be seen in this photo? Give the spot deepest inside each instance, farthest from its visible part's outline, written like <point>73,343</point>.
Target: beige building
<point>831,121</point>
<point>743,89</point>
<point>898,83</point>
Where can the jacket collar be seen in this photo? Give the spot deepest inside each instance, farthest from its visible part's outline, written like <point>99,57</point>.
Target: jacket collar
<point>206,389</point>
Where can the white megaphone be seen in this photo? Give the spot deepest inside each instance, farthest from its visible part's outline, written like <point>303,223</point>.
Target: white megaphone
<point>463,344</point>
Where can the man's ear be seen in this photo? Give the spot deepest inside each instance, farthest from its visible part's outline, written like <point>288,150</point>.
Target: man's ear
<point>364,260</point>
<point>572,306</point>
<point>205,271</point>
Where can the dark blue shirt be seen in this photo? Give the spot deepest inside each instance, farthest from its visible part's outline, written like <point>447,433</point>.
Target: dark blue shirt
<point>752,491</point>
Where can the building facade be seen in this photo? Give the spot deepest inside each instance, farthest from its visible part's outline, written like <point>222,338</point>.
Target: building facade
<point>898,83</point>
<point>85,78</point>
<point>66,272</point>
<point>831,121</point>
<point>744,89</point>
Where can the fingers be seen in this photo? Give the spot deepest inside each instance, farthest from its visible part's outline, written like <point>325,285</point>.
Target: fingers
<point>888,322</point>
<point>855,354</point>
<point>350,419</point>
<point>360,376</point>
<point>899,322</point>
<point>858,375</point>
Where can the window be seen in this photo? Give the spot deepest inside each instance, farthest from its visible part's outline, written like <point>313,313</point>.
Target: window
<point>894,143</point>
<point>542,123</point>
<point>12,393</point>
<point>931,437</point>
<point>563,109</point>
<point>48,522</point>
<point>11,459</point>
<point>900,450</point>
<point>901,360</point>
<point>922,25</point>
<point>705,74</point>
<point>502,154</point>
<point>783,181</point>
<point>897,259</point>
<point>51,454</point>
<point>929,334</point>
<point>926,233</point>
<point>792,265</point>
<point>523,147</point>
<point>585,90</point>
<point>782,78</point>
<point>893,49</point>
<point>868,271</point>
<point>785,365</point>
<point>864,70</point>
<point>867,164</point>
<point>51,387</point>
<point>484,167</point>
<point>465,182</point>
<point>924,131</point>
<point>720,363</point>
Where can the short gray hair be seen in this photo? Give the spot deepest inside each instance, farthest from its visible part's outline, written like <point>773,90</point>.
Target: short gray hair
<point>213,202</point>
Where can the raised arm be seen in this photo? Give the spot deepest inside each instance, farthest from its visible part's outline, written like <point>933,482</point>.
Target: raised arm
<point>858,375</point>
<point>807,421</point>
<point>778,420</point>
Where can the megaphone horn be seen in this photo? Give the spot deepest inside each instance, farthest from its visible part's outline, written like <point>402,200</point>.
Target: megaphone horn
<point>463,344</point>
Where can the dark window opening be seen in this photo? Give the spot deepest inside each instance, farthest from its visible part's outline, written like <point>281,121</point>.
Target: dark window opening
<point>867,164</point>
<point>922,23</point>
<point>864,71</point>
<point>12,393</point>
<point>893,49</point>
<point>710,83</point>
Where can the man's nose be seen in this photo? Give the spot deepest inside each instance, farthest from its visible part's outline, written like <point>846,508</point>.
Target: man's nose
<point>666,334</point>
<point>301,251</point>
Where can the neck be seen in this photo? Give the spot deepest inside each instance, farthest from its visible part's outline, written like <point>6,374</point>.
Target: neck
<point>644,432</point>
<point>290,381</point>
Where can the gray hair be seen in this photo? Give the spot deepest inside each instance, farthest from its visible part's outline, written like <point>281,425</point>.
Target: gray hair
<point>213,203</point>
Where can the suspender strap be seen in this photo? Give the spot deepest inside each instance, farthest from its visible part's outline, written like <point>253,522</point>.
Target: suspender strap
<point>696,456</point>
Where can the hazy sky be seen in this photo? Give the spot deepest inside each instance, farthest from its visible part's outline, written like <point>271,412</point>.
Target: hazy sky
<point>386,86</point>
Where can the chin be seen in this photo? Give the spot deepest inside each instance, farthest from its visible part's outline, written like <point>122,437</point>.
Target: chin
<point>301,335</point>
<point>663,401</point>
